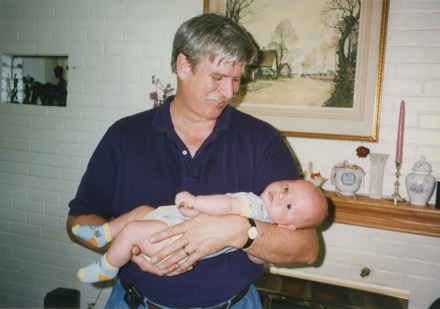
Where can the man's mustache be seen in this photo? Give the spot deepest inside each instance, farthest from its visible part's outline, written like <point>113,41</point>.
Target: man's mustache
<point>220,99</point>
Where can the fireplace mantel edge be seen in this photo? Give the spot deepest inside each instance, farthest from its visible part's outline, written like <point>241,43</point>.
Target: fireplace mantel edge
<point>383,214</point>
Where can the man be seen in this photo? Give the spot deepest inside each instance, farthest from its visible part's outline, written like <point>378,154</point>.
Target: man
<point>194,142</point>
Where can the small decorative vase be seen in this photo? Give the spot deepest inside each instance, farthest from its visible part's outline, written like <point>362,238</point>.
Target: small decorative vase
<point>420,183</point>
<point>377,167</point>
<point>347,178</point>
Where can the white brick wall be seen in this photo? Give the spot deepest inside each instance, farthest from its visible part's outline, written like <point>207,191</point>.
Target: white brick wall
<point>114,48</point>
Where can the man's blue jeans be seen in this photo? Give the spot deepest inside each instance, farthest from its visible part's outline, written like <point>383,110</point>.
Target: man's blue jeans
<point>116,300</point>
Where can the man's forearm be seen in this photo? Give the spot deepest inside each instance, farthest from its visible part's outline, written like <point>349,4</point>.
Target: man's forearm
<point>84,220</point>
<point>279,245</point>
<point>204,235</point>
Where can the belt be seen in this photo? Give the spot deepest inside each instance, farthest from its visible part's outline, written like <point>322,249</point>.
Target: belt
<point>234,300</point>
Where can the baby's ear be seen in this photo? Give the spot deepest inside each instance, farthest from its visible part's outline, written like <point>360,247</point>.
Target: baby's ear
<point>288,226</point>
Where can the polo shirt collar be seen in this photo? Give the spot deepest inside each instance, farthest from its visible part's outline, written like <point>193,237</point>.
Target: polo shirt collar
<point>162,118</point>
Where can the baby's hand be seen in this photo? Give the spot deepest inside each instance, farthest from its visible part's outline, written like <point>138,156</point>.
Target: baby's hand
<point>185,199</point>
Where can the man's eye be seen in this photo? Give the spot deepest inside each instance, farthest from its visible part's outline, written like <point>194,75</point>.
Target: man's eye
<point>217,77</point>
<point>237,80</point>
<point>289,205</point>
<point>286,188</point>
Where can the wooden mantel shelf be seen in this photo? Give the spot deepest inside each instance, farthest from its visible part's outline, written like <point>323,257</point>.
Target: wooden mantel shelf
<point>383,214</point>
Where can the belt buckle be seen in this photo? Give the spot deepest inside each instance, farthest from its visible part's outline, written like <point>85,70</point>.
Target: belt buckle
<point>133,297</point>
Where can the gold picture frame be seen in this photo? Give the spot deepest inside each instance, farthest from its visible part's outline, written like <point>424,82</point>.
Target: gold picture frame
<point>358,122</point>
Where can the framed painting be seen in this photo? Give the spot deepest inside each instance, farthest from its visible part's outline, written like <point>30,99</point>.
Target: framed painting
<point>320,65</point>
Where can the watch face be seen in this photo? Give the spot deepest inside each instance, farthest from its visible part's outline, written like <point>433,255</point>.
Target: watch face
<point>253,232</point>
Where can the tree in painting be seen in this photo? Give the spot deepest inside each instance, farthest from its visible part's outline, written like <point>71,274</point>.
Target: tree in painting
<point>343,16</point>
<point>318,74</point>
<point>235,9</point>
<point>282,38</point>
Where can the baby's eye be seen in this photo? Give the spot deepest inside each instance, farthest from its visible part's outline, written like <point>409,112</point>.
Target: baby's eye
<point>289,205</point>
<point>286,188</point>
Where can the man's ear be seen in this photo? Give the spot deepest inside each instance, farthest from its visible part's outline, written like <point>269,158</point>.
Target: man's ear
<point>288,226</point>
<point>183,66</point>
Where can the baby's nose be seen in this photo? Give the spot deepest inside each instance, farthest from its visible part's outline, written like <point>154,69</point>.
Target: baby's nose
<point>281,195</point>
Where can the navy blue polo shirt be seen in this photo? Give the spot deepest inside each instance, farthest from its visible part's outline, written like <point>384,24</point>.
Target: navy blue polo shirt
<point>141,160</point>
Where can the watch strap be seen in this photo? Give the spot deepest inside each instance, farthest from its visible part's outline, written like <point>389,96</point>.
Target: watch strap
<point>250,240</point>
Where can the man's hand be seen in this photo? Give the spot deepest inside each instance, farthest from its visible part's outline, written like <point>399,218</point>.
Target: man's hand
<point>146,266</point>
<point>255,259</point>
<point>202,235</point>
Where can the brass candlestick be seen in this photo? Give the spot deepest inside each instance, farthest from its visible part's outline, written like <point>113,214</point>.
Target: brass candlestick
<point>395,197</point>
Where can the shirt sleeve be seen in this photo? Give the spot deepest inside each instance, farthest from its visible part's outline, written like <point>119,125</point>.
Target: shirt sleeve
<point>95,191</point>
<point>275,164</point>
<point>252,206</point>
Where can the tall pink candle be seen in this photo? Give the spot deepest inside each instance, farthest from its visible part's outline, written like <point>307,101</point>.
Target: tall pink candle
<point>399,147</point>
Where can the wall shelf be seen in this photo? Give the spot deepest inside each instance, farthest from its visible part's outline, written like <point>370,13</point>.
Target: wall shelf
<point>383,214</point>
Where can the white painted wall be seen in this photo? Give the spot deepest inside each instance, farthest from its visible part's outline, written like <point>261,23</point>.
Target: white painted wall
<point>114,48</point>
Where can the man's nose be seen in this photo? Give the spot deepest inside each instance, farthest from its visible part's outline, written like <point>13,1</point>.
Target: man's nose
<point>228,89</point>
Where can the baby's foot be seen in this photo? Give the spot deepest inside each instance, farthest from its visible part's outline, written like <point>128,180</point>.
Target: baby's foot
<point>98,236</point>
<point>99,271</point>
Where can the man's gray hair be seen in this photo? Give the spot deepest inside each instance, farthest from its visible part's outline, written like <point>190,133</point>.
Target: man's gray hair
<point>212,36</point>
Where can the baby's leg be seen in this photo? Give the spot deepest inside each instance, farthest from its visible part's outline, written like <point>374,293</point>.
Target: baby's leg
<point>136,233</point>
<point>99,236</point>
<point>119,223</point>
<point>99,271</point>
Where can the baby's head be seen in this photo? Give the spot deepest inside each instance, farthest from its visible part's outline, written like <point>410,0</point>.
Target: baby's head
<point>295,204</point>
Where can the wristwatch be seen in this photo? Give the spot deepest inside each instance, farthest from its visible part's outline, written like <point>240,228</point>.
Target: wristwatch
<point>252,234</point>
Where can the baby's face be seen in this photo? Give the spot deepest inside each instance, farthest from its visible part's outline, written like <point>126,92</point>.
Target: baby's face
<point>284,201</point>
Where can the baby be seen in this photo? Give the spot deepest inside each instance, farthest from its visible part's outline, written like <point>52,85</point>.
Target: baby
<point>292,204</point>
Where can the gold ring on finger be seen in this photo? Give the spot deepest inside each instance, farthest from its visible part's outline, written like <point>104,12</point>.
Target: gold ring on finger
<point>184,250</point>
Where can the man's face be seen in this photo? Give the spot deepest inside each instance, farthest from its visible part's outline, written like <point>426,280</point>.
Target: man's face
<point>210,86</point>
